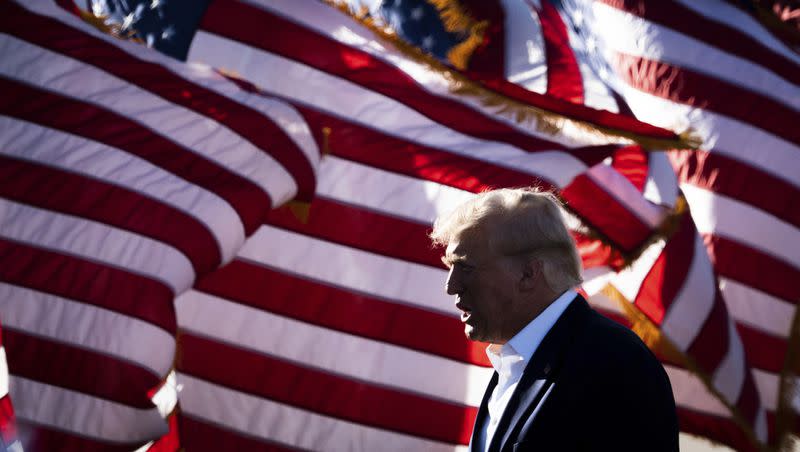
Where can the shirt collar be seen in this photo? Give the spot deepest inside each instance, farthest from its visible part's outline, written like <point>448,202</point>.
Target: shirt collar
<point>524,344</point>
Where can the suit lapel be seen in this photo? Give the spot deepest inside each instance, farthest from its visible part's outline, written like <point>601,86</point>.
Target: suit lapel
<point>540,373</point>
<point>483,411</point>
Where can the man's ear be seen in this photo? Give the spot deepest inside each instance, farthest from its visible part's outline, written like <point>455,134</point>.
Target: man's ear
<point>531,274</point>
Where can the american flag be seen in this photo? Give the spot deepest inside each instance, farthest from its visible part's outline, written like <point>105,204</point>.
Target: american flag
<point>125,176</point>
<point>336,334</point>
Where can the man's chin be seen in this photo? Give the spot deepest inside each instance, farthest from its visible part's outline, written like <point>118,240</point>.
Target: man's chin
<point>472,334</point>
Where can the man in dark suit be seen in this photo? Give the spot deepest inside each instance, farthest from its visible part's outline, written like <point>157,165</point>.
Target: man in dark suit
<point>566,378</point>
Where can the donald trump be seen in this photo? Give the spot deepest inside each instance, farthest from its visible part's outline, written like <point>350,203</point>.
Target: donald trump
<point>566,378</point>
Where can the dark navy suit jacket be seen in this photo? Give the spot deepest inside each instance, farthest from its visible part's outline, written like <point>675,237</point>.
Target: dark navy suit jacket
<point>592,385</point>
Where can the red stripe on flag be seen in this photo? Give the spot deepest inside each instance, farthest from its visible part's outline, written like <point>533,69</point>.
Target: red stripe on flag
<point>764,351</point>
<point>78,195</point>
<point>748,403</point>
<point>754,268</point>
<point>712,342</point>
<point>667,276</point>
<point>171,442</point>
<point>339,309</point>
<point>632,162</point>
<point>363,229</point>
<point>202,435</point>
<point>98,124</point>
<point>600,118</point>
<point>88,282</point>
<point>722,430</point>
<point>45,438</point>
<point>372,147</point>
<point>744,183</point>
<point>79,369</point>
<point>603,213</point>
<point>324,393</point>
<point>564,80</point>
<point>693,88</point>
<point>8,422</point>
<point>244,23</point>
<point>248,122</point>
<point>595,253</point>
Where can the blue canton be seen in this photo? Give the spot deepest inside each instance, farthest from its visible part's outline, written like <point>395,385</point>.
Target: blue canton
<point>166,25</point>
<point>417,22</point>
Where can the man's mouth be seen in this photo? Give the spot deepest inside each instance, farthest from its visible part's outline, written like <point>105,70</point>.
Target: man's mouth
<point>465,312</point>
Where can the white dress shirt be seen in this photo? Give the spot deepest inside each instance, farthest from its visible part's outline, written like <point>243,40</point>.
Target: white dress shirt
<point>510,359</point>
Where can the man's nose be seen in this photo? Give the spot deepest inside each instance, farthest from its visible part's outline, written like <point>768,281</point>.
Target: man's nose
<point>453,284</point>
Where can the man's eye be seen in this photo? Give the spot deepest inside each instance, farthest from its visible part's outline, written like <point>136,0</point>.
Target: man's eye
<point>464,267</point>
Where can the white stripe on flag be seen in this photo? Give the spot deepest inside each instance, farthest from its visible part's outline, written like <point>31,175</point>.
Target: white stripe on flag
<point>88,327</point>
<point>390,193</point>
<point>333,24</point>
<point>729,376</point>
<point>664,44</point>
<point>252,416</point>
<point>356,270</point>
<point>692,304</point>
<point>52,71</point>
<point>42,145</point>
<point>63,409</point>
<point>3,373</point>
<point>733,16</point>
<point>757,309</point>
<point>336,352</point>
<point>721,215</point>
<point>630,279</point>
<point>691,393</point>
<point>616,185</point>
<point>97,241</point>
<point>373,110</point>
<point>723,135</point>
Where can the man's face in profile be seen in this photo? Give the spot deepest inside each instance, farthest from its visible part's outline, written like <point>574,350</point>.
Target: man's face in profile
<point>484,284</point>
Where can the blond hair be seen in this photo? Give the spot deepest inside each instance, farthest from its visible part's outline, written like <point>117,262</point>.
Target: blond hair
<point>518,222</point>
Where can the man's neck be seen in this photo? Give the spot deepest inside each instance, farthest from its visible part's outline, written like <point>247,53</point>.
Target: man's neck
<point>532,309</point>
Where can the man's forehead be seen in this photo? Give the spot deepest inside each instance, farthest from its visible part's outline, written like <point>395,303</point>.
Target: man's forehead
<point>466,242</point>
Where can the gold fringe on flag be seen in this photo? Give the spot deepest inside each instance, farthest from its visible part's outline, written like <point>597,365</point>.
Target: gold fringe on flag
<point>326,141</point>
<point>652,335</point>
<point>300,209</point>
<point>460,54</point>
<point>645,328</point>
<point>772,22</point>
<point>101,23</point>
<point>542,120</point>
<point>457,20</point>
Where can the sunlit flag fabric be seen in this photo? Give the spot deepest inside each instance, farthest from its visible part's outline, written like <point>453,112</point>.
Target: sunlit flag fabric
<point>740,84</point>
<point>124,176</point>
<point>336,333</point>
<point>276,252</point>
<point>299,297</point>
<point>673,284</point>
<point>317,338</point>
<point>715,67</point>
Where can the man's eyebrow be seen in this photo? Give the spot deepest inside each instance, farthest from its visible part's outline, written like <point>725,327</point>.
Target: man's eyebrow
<point>451,259</point>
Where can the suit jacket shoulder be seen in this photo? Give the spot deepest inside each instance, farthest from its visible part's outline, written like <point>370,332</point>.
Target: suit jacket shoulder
<point>591,385</point>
